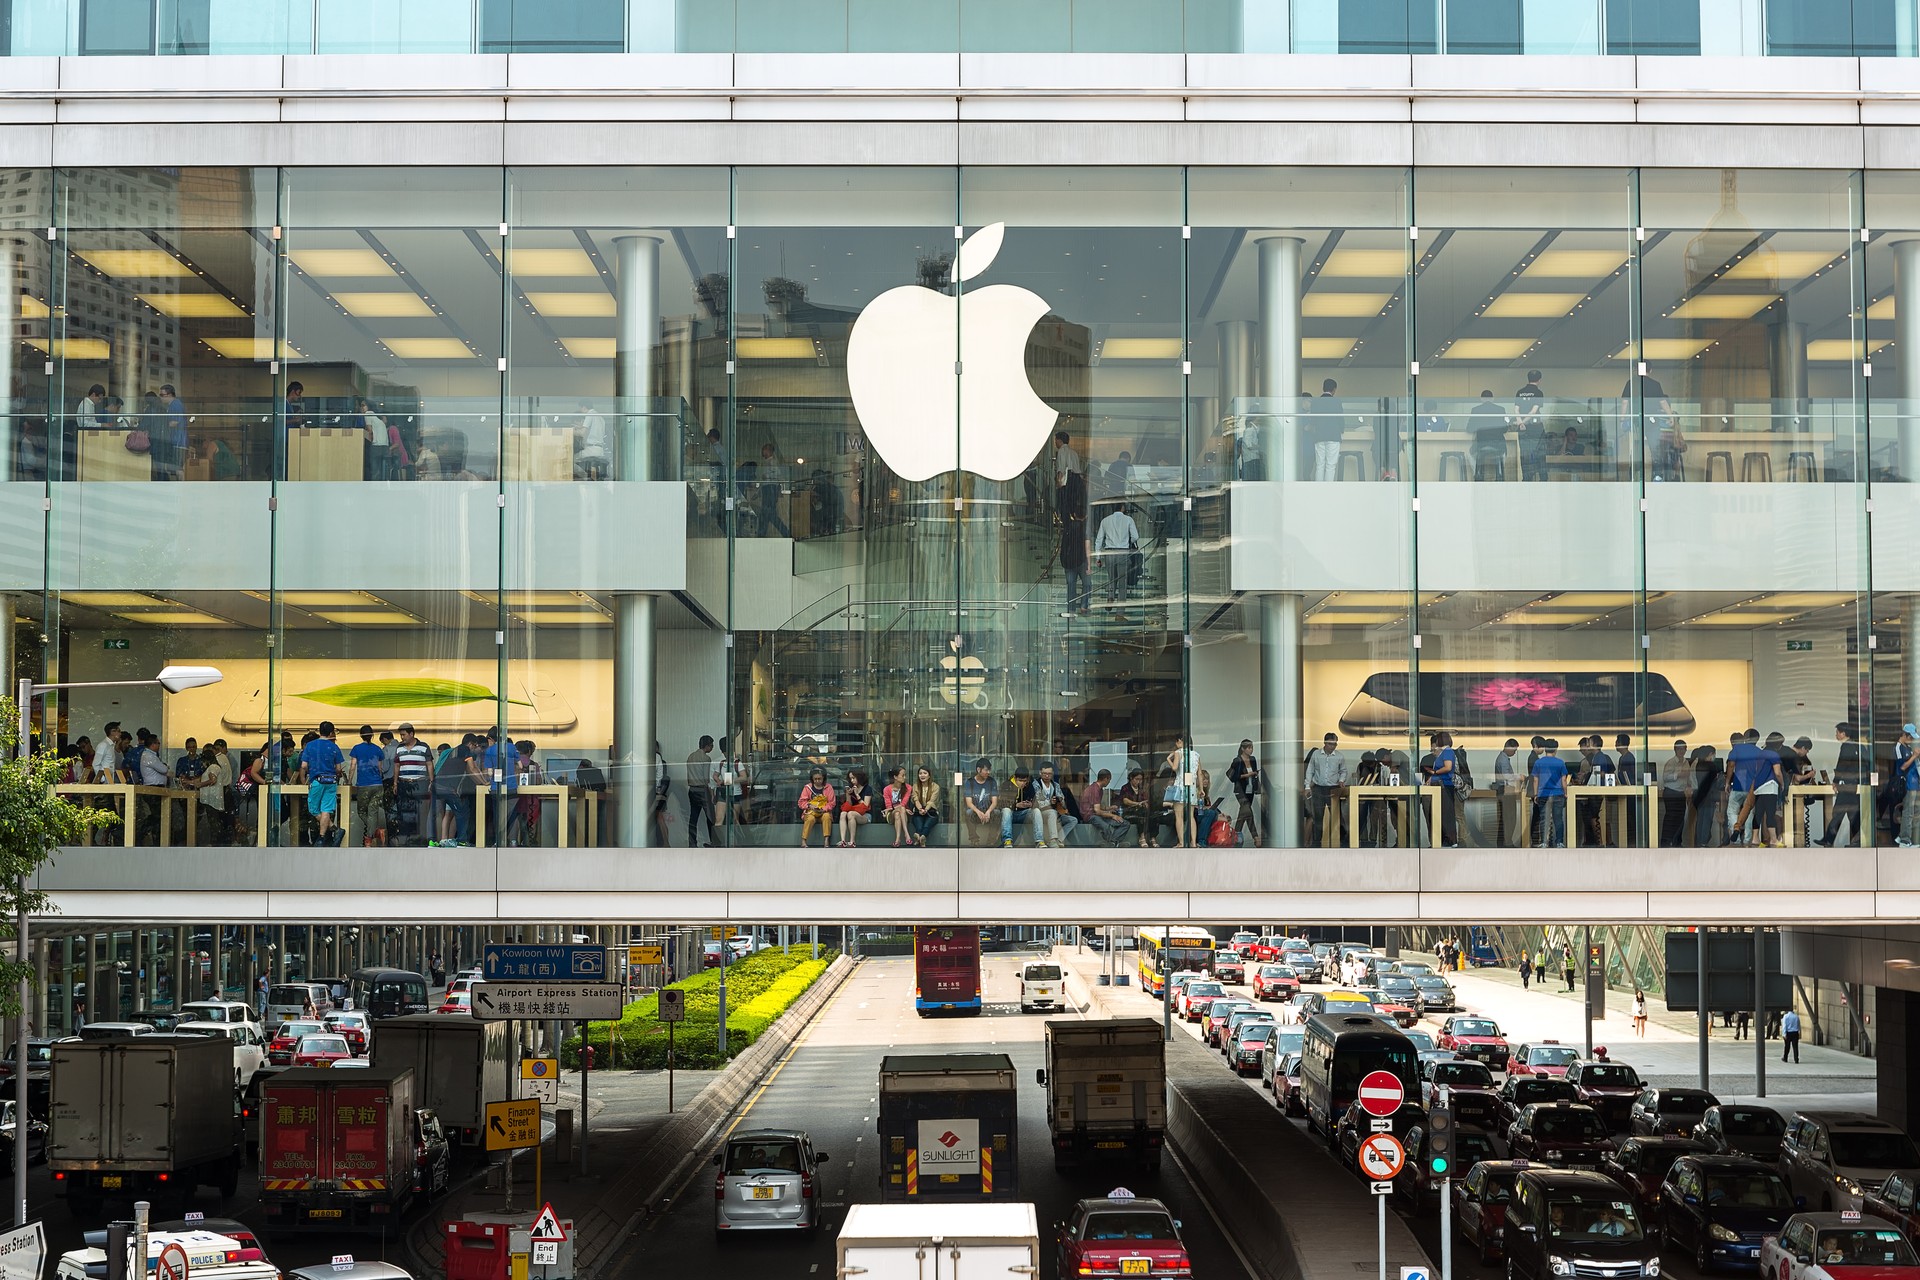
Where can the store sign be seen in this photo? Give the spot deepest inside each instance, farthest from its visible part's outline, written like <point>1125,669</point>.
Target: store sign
<point>949,1146</point>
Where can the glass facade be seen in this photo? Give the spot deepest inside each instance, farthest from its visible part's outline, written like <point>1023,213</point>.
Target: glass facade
<point>1806,28</point>
<point>857,469</point>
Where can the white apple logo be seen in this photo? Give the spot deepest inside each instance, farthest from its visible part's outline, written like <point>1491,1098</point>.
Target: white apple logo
<point>910,399</point>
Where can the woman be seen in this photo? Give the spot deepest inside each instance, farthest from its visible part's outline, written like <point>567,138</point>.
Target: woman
<point>923,805</point>
<point>661,785</point>
<point>1205,811</point>
<point>855,802</point>
<point>1184,764</point>
<point>1639,1013</point>
<point>893,805</point>
<point>816,805</point>
<point>1244,775</point>
<point>213,782</point>
<point>1136,806</point>
<point>1707,777</point>
<point>1526,968</point>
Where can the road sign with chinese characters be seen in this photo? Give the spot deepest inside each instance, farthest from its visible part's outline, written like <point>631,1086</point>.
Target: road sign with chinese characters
<point>566,1001</point>
<point>513,1126</point>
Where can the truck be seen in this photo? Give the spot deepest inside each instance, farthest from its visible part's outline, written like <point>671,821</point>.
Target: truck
<point>337,1148</point>
<point>144,1117</point>
<point>948,1127</point>
<point>460,1064</point>
<point>938,1241</point>
<point>1106,1084</point>
<point>946,969</point>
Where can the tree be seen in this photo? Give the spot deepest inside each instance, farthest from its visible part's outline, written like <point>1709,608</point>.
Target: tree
<point>35,823</point>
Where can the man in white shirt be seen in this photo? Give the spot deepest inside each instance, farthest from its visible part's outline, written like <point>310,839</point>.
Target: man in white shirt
<point>86,414</point>
<point>1118,540</point>
<point>106,756</point>
<point>1507,782</point>
<point>1065,463</point>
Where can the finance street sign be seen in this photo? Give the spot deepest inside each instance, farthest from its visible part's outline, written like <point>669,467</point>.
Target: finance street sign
<point>513,1126</point>
<point>533,962</point>
<point>565,1001</point>
<point>646,953</point>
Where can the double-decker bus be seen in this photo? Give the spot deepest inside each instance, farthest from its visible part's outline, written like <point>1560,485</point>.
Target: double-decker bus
<point>946,968</point>
<point>1167,949</point>
<point>1341,1049</point>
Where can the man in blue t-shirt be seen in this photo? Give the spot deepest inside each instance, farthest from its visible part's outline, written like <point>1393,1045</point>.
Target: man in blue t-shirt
<point>320,762</point>
<point>1550,797</point>
<point>1746,769</point>
<point>370,787</point>
<point>1906,758</point>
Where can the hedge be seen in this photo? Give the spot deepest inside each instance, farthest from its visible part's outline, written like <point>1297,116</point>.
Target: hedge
<point>759,989</point>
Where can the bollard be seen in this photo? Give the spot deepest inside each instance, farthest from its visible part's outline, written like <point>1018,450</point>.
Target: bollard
<point>563,1136</point>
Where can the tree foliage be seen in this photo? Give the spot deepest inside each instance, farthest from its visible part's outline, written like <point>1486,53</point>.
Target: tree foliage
<point>35,824</point>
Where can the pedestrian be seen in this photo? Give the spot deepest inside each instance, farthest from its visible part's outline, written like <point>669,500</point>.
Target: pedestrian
<point>1325,773</point>
<point>1540,968</point>
<point>1117,543</point>
<point>320,762</point>
<point>369,789</point>
<point>1639,1013</point>
<point>700,792</point>
<point>1566,962</point>
<point>1790,1035</point>
<point>1742,1024</point>
<point>893,805</point>
<point>1849,771</point>
<point>1526,968</point>
<point>979,798</point>
<point>816,806</point>
<point>1244,774</point>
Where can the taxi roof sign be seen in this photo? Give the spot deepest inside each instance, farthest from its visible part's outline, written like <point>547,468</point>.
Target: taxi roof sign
<point>1120,1193</point>
<point>1849,1215</point>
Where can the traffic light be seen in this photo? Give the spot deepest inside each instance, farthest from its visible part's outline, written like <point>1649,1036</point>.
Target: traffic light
<point>1440,1142</point>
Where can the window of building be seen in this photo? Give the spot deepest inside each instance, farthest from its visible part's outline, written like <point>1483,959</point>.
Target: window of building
<point>1652,27</point>
<point>536,26</point>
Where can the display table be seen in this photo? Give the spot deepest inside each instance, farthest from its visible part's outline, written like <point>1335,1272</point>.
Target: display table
<point>326,453</point>
<point>1798,798</point>
<point>103,456</point>
<point>1616,811</point>
<point>126,792</point>
<point>539,453</point>
<point>1400,800</point>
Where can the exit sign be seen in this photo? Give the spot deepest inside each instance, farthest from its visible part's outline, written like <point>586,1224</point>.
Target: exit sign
<point>116,642</point>
<point>1799,646</point>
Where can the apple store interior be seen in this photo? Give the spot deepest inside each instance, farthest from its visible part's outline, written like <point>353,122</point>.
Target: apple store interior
<point>610,460</point>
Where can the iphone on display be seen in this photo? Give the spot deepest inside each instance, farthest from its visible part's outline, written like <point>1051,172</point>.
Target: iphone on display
<point>1518,702</point>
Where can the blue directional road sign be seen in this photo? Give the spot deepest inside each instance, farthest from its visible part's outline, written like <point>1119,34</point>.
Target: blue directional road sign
<point>523,962</point>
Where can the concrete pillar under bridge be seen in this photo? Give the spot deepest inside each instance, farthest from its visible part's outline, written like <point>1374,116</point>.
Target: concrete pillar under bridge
<point>1898,1023</point>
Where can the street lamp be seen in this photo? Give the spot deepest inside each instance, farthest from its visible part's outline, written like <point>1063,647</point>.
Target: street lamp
<point>172,679</point>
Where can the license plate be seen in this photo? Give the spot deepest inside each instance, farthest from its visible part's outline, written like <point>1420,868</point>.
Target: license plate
<point>1135,1266</point>
<point>1110,1146</point>
<point>765,1193</point>
<point>113,1182</point>
<point>323,1213</point>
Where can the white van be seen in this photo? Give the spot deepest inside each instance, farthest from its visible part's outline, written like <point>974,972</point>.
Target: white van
<point>1042,986</point>
<point>210,1256</point>
<point>249,1045</point>
<point>289,1000</point>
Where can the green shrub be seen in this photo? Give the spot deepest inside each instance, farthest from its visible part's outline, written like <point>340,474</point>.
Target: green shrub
<point>760,988</point>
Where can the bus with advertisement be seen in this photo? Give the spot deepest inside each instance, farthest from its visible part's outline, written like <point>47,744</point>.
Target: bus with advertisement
<point>946,969</point>
<point>1166,949</point>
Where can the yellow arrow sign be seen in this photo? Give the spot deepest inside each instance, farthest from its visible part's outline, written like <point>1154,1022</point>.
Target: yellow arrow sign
<point>513,1126</point>
<point>650,954</point>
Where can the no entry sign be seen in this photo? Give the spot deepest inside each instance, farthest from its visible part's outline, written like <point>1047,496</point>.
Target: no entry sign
<point>1380,1093</point>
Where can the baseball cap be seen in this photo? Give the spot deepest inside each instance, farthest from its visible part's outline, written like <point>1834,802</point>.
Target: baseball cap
<point>407,726</point>
<point>1909,730</point>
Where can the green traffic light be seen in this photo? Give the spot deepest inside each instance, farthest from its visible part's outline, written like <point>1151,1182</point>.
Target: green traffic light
<point>1439,1164</point>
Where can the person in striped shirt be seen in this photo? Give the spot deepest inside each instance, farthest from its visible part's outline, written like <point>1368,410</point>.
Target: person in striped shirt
<point>412,789</point>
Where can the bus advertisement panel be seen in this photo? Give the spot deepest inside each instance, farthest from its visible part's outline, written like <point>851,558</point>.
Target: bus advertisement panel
<point>946,969</point>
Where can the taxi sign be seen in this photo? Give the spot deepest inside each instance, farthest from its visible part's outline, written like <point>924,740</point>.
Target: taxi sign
<point>1849,1215</point>
<point>343,1262</point>
<point>1120,1193</point>
<point>513,1126</point>
<point>195,1216</point>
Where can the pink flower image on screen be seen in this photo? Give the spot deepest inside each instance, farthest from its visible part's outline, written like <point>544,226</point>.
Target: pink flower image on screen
<point>1515,694</point>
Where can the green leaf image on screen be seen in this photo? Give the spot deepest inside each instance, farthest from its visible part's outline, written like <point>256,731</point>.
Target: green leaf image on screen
<point>380,694</point>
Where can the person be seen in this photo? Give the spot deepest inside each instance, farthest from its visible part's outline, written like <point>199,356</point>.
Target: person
<point>1570,446</point>
<point>700,791</point>
<point>772,476</point>
<point>1326,773</point>
<point>1665,446</point>
<point>1540,968</point>
<point>1325,428</point>
<point>1184,764</point>
<point>1074,561</point>
<point>1849,771</point>
<point>1742,1023</point>
<point>1796,766</point>
<point>1639,1012</point>
<point>412,788</point>
<point>893,805</point>
<point>1610,1224</point>
<point>1626,768</point>
<point>816,806</point>
<point>1018,807</point>
<point>1709,777</point>
<point>1446,776</point>
<point>1507,784</point>
<point>1206,811</point>
<point>1530,404</point>
<point>1830,1251</point>
<point>1676,781</point>
<point>1766,796</point>
<point>1099,814</point>
<point>1069,476</point>
<point>320,763</point>
<point>1566,962</point>
<point>1549,776</point>
<point>1526,968</point>
<point>1244,775</point>
<point>1136,803</point>
<point>590,455</point>
<point>923,805</point>
<point>1744,769</point>
<point>1055,805</point>
<point>211,784</point>
<point>1906,758</point>
<point>1117,541</point>
<point>979,800</point>
<point>368,763</point>
<point>1790,1035</point>
<point>1489,448</point>
<point>500,768</point>
<point>855,803</point>
<point>1431,418</point>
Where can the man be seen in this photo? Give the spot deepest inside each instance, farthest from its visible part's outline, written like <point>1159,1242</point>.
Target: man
<point>369,788</point>
<point>1102,816</point>
<point>1506,789</point>
<point>320,762</point>
<point>187,771</point>
<point>1327,425</point>
<point>296,406</point>
<point>1069,476</point>
<point>1326,770</point>
<point>772,476</point>
<point>412,788</point>
<point>86,414</point>
<point>978,800</point>
<point>150,771</point>
<point>1488,422</point>
<point>1626,769</point>
<point>1849,771</point>
<point>1550,797</point>
<point>1676,779</point>
<point>699,790</point>
<point>1907,760</point>
<point>1790,1036</point>
<point>106,756</point>
<point>1746,765</point>
<point>1020,808</point>
<point>1118,541</point>
<point>1061,816</point>
<point>1566,962</point>
<point>501,761</point>
<point>169,440</point>
<point>1531,403</point>
<point>1445,776</point>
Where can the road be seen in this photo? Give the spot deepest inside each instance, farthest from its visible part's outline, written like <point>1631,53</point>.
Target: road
<point>827,1087</point>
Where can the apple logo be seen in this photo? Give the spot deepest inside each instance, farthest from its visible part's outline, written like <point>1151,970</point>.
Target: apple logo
<point>909,397</point>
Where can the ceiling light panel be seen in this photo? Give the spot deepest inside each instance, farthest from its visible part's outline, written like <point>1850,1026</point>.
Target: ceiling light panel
<point>428,348</point>
<point>589,348</point>
<point>369,618</point>
<point>555,263</point>
<point>1723,306</point>
<point>341,263</point>
<point>1575,264</point>
<point>1780,264</point>
<point>775,348</point>
<point>113,600</point>
<point>251,348</point>
<point>32,308</point>
<point>562,306</point>
<point>384,306</point>
<point>1326,348</point>
<point>194,306</point>
<point>1665,349</point>
<point>573,617</point>
<point>1532,306</point>
<point>1344,306</point>
<point>174,618</point>
<point>136,264</point>
<point>1141,348</point>
<point>1535,618</point>
<point>324,599</point>
<point>73,348</point>
<point>1359,618</point>
<point>1486,348</point>
<point>1881,310</point>
<point>1831,349</point>
<point>1374,264</point>
<point>1756,618</point>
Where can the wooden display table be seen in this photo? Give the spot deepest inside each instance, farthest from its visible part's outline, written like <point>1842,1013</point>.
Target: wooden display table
<point>326,453</point>
<point>1611,799</point>
<point>1401,799</point>
<point>1799,797</point>
<point>126,793</point>
<point>103,456</point>
<point>539,453</point>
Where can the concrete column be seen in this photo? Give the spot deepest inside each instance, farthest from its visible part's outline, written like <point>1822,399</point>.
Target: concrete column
<point>1281,733</point>
<point>630,773</point>
<point>1280,352</point>
<point>94,1013</point>
<point>181,967</point>
<point>1909,658</point>
<point>1898,1022</point>
<point>1788,374</point>
<point>1237,381</point>
<point>635,351</point>
<point>9,316</point>
<point>1906,336</point>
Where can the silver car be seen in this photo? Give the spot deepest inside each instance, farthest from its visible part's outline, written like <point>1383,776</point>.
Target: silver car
<point>766,1182</point>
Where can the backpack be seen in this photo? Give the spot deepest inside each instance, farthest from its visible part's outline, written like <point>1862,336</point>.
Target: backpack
<point>1221,833</point>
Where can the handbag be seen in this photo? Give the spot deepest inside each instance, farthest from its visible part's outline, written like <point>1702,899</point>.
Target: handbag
<point>137,441</point>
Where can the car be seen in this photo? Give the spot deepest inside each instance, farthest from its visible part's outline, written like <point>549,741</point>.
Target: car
<point>1285,1040</point>
<point>1640,1165</point>
<point>1896,1200</point>
<point>1470,1090</point>
<point>1418,1185</point>
<point>1266,948</point>
<point>457,1002</point>
<point>1547,1058</point>
<point>1427,1057</point>
<point>351,1269</point>
<point>232,1228</point>
<point>432,1155</point>
<point>1567,1135</point>
<point>1275,982</point>
<point>1215,1023</point>
<point>1416,969</point>
<point>1042,985</point>
<point>39,1074</point>
<point>1475,1037</point>
<point>1836,1246</point>
<point>1302,961</point>
<point>321,1050</point>
<point>158,1019</point>
<point>286,1039</point>
<point>1721,1207</point>
<point>1241,944</point>
<point>1401,990</point>
<point>1608,1087</point>
<point>1422,1040</point>
<point>1564,1223</point>
<point>218,1011</point>
<point>1248,1042</point>
<point>356,1027</point>
<point>1284,1080</point>
<point>1195,997</point>
<point>1676,1111</point>
<point>1228,967</point>
<point>1834,1157</point>
<point>1178,983</point>
<point>767,1182</point>
<point>249,1046</point>
<point>1480,1206</point>
<point>290,1000</point>
<point>463,982</point>
<point>1516,1092</point>
<point>1236,1021</point>
<point>9,1129</point>
<point>1296,1011</point>
<point>1404,1015</point>
<point>111,1031</point>
<point>1436,994</point>
<point>1742,1129</point>
<point>1120,1234</point>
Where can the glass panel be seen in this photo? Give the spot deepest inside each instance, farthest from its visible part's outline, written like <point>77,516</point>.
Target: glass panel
<point>886,26</point>
<point>236,26</point>
<point>1555,27</point>
<point>1016,26</point>
<point>1839,28</point>
<point>699,26</point>
<point>1653,27</point>
<point>1368,26</point>
<point>1126,26</point>
<point>792,26</point>
<point>1484,26</point>
<point>535,26</point>
<point>116,26</point>
<point>382,26</point>
<point>37,28</point>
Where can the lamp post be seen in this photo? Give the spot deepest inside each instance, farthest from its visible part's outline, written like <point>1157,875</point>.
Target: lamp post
<point>173,680</point>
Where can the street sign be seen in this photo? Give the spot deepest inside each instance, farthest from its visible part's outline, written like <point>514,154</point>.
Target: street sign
<point>1380,1093</point>
<point>545,1092</point>
<point>173,1263</point>
<point>546,1253</point>
<point>547,1227</point>
<point>1416,1273</point>
<point>566,1001</point>
<point>719,931</point>
<point>673,1004</point>
<point>1381,1124</point>
<point>523,962</point>
<point>1383,1188</point>
<point>23,1253</point>
<point>650,953</point>
<point>1382,1156</point>
<point>539,1069</point>
<point>513,1126</point>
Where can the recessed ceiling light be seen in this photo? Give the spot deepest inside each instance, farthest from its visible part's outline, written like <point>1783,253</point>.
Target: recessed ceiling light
<point>1575,264</point>
<point>428,348</point>
<point>1665,349</point>
<point>1366,263</point>
<point>1840,349</point>
<point>566,305</point>
<point>589,348</point>
<point>1343,305</point>
<point>1142,349</point>
<point>251,348</point>
<point>775,349</point>
<point>1723,306</point>
<point>372,618</point>
<point>340,262</point>
<point>1486,348</point>
<point>1532,306</point>
<point>136,264</point>
<point>193,306</point>
<point>1326,348</point>
<point>1359,618</point>
<point>175,618</point>
<point>112,599</point>
<point>383,306</point>
<point>73,348</point>
<point>31,308</point>
<point>550,262</point>
<point>1780,264</point>
<point>1881,310</point>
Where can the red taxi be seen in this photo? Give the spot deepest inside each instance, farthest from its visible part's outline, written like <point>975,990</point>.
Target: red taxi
<point>321,1051</point>
<point>286,1040</point>
<point>1838,1246</point>
<point>1275,982</point>
<point>1480,1206</point>
<point>1476,1038</point>
<point>1229,968</point>
<point>1548,1058</point>
<point>352,1028</point>
<point>1121,1234</point>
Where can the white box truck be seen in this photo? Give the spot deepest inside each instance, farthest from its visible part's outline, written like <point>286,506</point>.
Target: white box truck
<point>1106,1083</point>
<point>459,1063</point>
<point>940,1242</point>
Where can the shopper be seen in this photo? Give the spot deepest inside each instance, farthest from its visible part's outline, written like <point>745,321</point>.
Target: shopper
<point>320,762</point>
<point>1325,773</point>
<point>1244,775</point>
<point>700,791</point>
<point>1183,763</point>
<point>1550,799</point>
<point>1849,771</point>
<point>1136,804</point>
<point>979,801</point>
<point>1507,787</point>
<point>816,806</point>
<point>893,805</point>
<point>855,802</point>
<point>1117,543</point>
<point>923,805</point>
<point>368,762</point>
<point>1098,813</point>
<point>1446,778</point>
<point>412,788</point>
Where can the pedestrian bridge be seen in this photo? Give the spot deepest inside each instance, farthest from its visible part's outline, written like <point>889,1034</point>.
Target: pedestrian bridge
<point>1305,886</point>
